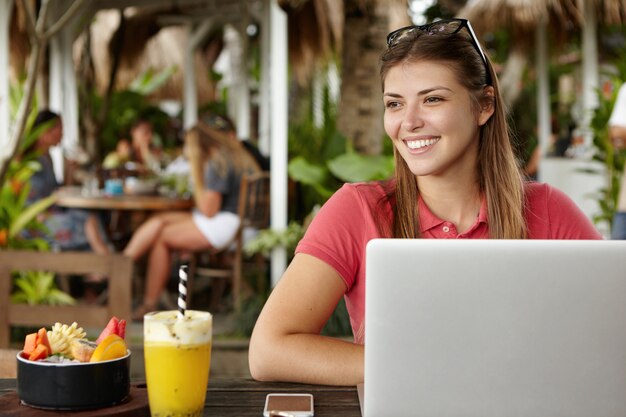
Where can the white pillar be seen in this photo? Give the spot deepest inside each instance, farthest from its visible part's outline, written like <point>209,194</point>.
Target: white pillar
<point>236,44</point>
<point>243,87</point>
<point>544,126</point>
<point>590,78</point>
<point>279,120</point>
<point>190,94</point>
<point>319,82</point>
<point>264,82</point>
<point>56,101</point>
<point>6,7</point>
<point>63,86</point>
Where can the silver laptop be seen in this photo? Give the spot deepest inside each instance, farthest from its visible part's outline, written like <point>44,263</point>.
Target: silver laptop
<point>495,328</point>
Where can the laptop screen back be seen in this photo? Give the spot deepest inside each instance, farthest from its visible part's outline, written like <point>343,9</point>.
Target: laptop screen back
<point>495,328</point>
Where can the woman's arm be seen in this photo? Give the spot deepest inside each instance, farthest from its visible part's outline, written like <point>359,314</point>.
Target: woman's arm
<point>286,344</point>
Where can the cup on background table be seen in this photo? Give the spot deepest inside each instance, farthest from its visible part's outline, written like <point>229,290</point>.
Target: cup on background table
<point>114,186</point>
<point>177,355</point>
<point>91,186</point>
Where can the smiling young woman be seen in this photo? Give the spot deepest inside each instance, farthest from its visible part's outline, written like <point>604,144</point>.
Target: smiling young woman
<point>456,176</point>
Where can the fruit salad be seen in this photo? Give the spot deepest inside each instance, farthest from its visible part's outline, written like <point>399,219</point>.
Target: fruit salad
<point>63,343</point>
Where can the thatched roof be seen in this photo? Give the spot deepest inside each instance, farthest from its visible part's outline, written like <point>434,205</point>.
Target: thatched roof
<point>19,46</point>
<point>521,17</point>
<point>314,31</point>
<point>612,12</point>
<point>161,50</point>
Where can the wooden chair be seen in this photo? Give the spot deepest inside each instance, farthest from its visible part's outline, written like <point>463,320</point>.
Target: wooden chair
<point>226,264</point>
<point>118,269</point>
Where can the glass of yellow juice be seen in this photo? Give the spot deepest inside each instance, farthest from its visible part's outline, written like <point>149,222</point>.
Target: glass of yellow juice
<point>177,354</point>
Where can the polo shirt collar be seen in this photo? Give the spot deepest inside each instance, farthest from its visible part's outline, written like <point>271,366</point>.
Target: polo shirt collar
<point>428,220</point>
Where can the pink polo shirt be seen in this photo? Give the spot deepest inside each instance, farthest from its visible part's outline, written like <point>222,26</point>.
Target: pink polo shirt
<point>340,231</point>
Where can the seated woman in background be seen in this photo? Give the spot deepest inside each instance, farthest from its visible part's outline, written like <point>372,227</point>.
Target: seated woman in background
<point>119,156</point>
<point>217,165</point>
<point>139,154</point>
<point>68,229</point>
<point>227,126</point>
<point>143,150</point>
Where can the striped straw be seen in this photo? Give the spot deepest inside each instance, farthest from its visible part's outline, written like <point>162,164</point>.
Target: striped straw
<point>182,291</point>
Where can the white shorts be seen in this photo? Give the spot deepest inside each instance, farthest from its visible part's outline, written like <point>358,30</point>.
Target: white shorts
<point>219,230</point>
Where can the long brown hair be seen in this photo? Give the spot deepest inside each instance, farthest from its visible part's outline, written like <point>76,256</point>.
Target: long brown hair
<point>222,150</point>
<point>500,179</point>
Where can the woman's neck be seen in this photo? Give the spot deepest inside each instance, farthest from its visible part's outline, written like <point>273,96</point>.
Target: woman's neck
<point>455,201</point>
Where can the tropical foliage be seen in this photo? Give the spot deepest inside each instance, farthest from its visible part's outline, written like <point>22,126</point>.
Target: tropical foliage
<point>613,160</point>
<point>127,106</point>
<point>16,217</point>
<point>321,161</point>
<point>38,287</point>
<point>19,219</point>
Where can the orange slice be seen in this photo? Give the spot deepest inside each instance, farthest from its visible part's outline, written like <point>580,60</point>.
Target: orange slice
<point>111,347</point>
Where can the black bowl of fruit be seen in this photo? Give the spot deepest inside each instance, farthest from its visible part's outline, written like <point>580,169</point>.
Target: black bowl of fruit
<point>60,369</point>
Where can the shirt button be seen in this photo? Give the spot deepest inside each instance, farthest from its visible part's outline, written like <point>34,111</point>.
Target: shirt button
<point>446,229</point>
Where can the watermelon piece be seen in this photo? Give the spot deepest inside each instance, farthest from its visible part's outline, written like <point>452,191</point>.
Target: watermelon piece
<point>121,328</point>
<point>114,326</point>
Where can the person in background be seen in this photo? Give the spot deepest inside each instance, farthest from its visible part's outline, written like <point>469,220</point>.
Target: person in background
<point>143,150</point>
<point>617,134</point>
<point>217,165</point>
<point>456,177</point>
<point>226,125</point>
<point>119,156</point>
<point>69,229</point>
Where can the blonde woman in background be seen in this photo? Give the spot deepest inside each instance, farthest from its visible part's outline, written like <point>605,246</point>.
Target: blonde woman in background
<point>217,165</point>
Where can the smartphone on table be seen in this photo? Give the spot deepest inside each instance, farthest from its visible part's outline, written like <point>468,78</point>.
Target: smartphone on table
<point>287,405</point>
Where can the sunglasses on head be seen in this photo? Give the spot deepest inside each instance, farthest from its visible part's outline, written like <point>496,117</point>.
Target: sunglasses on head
<point>440,27</point>
<point>218,122</point>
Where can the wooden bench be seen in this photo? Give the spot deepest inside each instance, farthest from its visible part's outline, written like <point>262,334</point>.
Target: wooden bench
<point>118,269</point>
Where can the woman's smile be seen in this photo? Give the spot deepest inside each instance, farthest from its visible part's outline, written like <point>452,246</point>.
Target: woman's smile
<point>417,145</point>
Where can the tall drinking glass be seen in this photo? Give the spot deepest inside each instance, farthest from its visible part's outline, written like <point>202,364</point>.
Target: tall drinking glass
<point>177,359</point>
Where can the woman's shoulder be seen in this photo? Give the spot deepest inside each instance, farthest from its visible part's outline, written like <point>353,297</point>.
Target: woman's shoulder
<point>539,192</point>
<point>551,214</point>
<point>373,190</point>
<point>356,199</point>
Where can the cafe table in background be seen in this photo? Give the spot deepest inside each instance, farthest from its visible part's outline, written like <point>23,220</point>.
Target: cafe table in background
<point>138,206</point>
<point>75,197</point>
<point>226,397</point>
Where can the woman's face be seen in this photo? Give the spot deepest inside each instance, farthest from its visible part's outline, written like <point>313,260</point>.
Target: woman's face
<point>430,119</point>
<point>52,136</point>
<point>142,135</point>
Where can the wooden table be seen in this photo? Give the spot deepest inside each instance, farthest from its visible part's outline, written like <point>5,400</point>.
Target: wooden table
<point>120,227</point>
<point>228,397</point>
<point>72,197</point>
